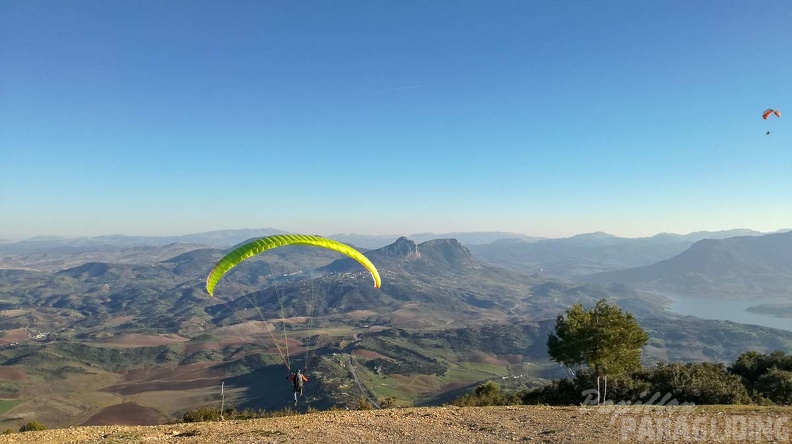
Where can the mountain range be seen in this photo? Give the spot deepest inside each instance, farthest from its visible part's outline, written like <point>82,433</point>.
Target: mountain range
<point>134,326</point>
<point>591,253</point>
<point>746,267</point>
<point>226,238</point>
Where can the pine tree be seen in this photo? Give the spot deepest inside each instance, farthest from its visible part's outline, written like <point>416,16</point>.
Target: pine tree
<point>603,337</point>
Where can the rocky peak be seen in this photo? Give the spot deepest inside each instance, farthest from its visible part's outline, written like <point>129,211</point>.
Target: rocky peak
<point>449,251</point>
<point>402,248</point>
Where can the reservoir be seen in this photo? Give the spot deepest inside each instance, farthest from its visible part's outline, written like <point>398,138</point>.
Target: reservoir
<point>727,310</point>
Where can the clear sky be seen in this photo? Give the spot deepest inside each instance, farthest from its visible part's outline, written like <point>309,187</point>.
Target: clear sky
<point>548,118</point>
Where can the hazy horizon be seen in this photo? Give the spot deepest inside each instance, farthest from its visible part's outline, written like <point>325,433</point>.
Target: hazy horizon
<point>543,118</point>
<point>11,239</point>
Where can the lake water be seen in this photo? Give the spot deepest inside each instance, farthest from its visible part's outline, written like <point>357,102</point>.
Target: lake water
<point>727,310</point>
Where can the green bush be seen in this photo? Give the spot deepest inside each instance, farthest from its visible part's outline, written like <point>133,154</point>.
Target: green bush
<point>387,403</point>
<point>767,377</point>
<point>699,383</point>
<point>560,392</point>
<point>32,426</point>
<point>629,387</point>
<point>776,385</point>
<point>487,394</point>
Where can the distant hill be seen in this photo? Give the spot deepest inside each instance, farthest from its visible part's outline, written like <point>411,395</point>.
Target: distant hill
<point>750,267</point>
<point>699,235</point>
<point>62,257</point>
<point>590,253</point>
<point>466,238</point>
<point>441,275</point>
<point>474,238</point>
<point>226,238</point>
<point>433,256</point>
<point>223,238</point>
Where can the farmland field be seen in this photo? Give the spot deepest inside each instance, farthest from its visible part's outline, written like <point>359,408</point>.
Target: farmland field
<point>6,405</point>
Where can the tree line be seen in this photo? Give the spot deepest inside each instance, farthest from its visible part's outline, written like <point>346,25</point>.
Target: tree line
<point>604,344</point>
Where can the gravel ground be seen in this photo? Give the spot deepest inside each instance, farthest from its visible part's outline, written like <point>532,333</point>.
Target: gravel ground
<point>453,425</point>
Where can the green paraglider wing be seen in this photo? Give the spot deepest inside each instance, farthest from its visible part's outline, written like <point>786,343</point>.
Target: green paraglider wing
<point>257,246</point>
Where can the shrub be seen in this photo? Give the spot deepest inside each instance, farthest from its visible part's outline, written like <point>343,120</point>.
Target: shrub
<point>387,403</point>
<point>487,394</point>
<point>776,385</point>
<point>32,426</point>
<point>202,414</point>
<point>767,377</point>
<point>700,383</point>
<point>561,392</point>
<point>363,404</point>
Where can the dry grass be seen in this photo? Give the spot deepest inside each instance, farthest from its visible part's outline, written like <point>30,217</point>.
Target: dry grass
<point>418,384</point>
<point>128,413</point>
<point>11,373</point>
<point>15,335</point>
<point>118,320</point>
<point>358,315</point>
<point>484,358</point>
<point>368,354</point>
<point>137,340</point>
<point>13,313</point>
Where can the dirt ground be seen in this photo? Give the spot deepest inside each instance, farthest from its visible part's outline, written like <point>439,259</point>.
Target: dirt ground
<point>469,425</point>
<point>127,414</point>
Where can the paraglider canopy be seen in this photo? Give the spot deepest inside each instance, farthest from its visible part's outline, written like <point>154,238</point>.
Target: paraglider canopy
<point>769,112</point>
<point>257,246</point>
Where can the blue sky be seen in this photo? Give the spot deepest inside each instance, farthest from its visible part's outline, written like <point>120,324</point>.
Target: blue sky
<point>548,118</point>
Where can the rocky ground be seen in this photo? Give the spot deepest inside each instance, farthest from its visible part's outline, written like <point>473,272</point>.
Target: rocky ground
<point>456,425</point>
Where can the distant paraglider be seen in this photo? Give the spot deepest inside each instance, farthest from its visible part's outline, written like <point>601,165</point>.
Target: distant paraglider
<point>769,112</point>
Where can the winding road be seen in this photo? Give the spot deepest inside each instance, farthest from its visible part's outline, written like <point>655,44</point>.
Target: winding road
<point>363,390</point>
